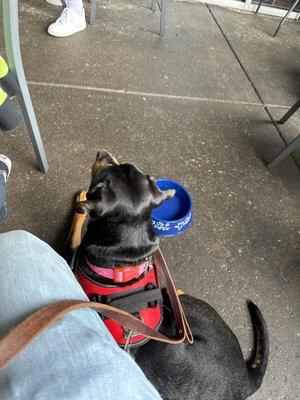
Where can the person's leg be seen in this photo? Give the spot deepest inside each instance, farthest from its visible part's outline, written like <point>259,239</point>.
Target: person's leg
<point>76,5</point>
<point>55,2</point>
<point>5,167</point>
<point>71,20</point>
<point>76,358</point>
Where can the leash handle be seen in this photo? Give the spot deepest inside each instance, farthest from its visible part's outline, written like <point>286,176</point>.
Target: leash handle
<point>35,324</point>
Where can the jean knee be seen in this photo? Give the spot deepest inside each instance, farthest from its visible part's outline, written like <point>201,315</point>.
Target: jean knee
<point>18,236</point>
<point>17,241</point>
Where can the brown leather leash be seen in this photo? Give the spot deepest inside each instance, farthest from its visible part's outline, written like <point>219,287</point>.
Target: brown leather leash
<point>35,324</point>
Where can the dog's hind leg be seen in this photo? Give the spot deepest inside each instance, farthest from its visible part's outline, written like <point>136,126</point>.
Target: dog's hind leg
<point>74,237</point>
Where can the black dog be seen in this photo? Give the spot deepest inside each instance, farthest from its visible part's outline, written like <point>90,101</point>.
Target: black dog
<point>119,231</point>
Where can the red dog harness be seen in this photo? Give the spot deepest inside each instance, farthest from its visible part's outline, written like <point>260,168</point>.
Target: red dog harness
<point>132,288</point>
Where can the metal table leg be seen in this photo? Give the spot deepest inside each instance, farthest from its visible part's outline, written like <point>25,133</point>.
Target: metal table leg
<point>286,16</point>
<point>162,8</point>
<point>290,112</point>
<point>294,145</point>
<point>163,13</point>
<point>93,12</point>
<point>12,44</point>
<point>283,19</point>
<point>259,5</point>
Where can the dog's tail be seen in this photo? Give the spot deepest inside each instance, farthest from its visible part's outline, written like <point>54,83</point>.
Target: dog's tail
<point>258,361</point>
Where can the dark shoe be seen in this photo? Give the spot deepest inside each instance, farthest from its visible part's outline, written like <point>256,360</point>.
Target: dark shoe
<point>10,116</point>
<point>7,79</point>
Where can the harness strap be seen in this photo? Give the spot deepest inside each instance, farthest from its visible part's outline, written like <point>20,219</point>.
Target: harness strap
<point>135,301</point>
<point>34,325</point>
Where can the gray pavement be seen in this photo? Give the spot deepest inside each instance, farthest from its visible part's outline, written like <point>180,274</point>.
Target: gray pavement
<point>188,108</point>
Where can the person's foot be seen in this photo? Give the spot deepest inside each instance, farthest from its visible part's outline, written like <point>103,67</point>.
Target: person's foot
<point>55,2</point>
<point>10,116</point>
<point>68,23</point>
<point>5,166</point>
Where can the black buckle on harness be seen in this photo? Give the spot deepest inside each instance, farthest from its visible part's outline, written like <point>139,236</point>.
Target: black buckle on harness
<point>133,301</point>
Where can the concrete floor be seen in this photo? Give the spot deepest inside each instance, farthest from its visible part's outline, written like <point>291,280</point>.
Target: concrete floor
<point>190,106</point>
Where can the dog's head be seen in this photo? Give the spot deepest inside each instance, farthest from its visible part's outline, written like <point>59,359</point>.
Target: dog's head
<point>120,190</point>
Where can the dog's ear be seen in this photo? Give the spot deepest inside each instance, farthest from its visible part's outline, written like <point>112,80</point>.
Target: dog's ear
<point>95,205</point>
<point>158,196</point>
<point>106,158</point>
<point>163,195</point>
<point>103,159</point>
<point>91,207</point>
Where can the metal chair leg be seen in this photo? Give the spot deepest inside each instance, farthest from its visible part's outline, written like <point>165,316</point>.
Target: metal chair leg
<point>163,13</point>
<point>12,45</point>
<point>285,17</point>
<point>93,12</point>
<point>290,112</point>
<point>294,145</point>
<point>153,5</point>
<point>258,7</point>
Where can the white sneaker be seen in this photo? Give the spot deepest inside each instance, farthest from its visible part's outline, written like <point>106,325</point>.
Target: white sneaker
<point>55,2</point>
<point>68,23</point>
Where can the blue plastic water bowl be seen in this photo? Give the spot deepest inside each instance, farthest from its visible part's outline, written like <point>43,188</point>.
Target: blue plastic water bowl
<point>173,216</point>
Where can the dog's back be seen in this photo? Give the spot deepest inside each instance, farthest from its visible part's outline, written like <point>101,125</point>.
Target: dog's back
<point>213,368</point>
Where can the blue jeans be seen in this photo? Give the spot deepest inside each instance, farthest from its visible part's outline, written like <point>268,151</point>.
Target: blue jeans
<point>75,359</point>
<point>2,197</point>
